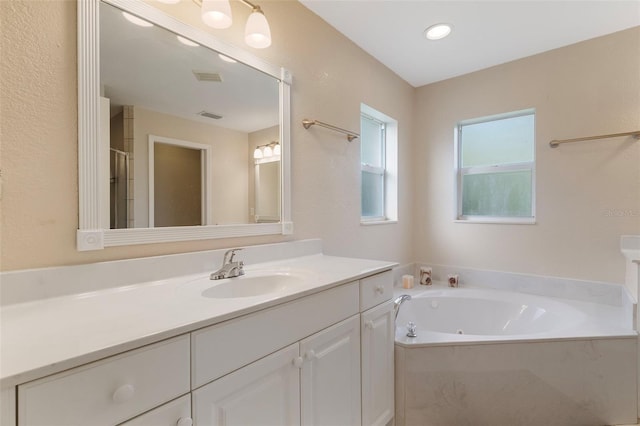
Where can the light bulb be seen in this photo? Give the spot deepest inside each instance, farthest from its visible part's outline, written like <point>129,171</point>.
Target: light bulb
<point>267,151</point>
<point>257,154</point>
<point>257,33</point>
<point>437,31</point>
<point>169,1</point>
<point>216,13</point>
<point>276,149</point>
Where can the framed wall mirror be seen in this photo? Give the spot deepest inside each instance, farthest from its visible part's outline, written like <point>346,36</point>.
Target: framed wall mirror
<point>170,116</point>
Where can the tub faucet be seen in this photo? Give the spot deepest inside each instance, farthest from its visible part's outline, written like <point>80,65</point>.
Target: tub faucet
<point>229,269</point>
<point>399,301</point>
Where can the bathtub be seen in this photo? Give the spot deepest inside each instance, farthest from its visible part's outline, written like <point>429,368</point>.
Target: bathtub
<point>490,357</point>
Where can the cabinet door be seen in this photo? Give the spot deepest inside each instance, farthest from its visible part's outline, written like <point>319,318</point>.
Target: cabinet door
<point>264,393</point>
<point>378,331</point>
<point>330,379</point>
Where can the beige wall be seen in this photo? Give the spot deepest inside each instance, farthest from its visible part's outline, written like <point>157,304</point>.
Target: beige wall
<point>229,172</point>
<point>588,194</point>
<point>585,89</point>
<point>332,76</point>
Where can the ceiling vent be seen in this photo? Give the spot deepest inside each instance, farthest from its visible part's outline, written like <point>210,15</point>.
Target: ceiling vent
<point>210,115</point>
<point>208,76</point>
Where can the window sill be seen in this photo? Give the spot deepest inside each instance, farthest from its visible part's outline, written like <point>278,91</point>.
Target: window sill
<point>377,222</point>
<point>498,220</point>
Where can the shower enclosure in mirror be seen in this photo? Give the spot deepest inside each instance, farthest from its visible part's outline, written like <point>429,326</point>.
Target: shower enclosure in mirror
<point>161,79</point>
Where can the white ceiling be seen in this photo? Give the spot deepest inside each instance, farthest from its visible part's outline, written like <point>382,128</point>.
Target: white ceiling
<point>149,68</point>
<point>485,33</point>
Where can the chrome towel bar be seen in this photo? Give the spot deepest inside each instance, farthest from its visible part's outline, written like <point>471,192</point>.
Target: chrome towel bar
<point>350,135</point>
<point>554,143</point>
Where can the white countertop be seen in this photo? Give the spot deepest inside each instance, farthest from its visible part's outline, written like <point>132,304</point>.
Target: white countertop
<point>46,336</point>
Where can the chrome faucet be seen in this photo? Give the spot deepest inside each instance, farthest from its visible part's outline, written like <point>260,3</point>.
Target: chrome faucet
<point>399,301</point>
<point>229,268</point>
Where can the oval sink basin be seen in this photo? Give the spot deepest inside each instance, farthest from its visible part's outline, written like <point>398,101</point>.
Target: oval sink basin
<point>250,286</point>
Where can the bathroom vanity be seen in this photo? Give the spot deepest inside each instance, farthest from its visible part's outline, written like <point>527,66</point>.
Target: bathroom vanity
<point>317,353</point>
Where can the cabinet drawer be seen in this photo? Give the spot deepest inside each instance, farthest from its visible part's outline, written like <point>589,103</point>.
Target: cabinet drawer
<point>375,290</point>
<point>109,391</point>
<point>222,348</point>
<point>174,413</point>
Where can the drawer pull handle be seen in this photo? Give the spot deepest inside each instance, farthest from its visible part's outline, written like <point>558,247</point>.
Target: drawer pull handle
<point>298,361</point>
<point>311,355</point>
<point>185,421</point>
<point>379,289</point>
<point>123,393</point>
<point>369,324</point>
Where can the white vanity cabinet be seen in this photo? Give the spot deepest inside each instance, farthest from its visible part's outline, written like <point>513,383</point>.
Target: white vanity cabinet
<point>110,391</point>
<point>266,392</point>
<point>174,413</point>
<point>323,359</point>
<point>330,375</point>
<point>312,382</point>
<point>378,334</point>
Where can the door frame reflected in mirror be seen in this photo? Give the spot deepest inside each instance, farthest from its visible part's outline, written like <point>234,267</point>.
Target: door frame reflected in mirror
<point>262,216</point>
<point>205,176</point>
<point>91,234</point>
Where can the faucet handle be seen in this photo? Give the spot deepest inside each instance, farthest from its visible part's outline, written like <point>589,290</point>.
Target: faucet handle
<point>411,329</point>
<point>229,255</point>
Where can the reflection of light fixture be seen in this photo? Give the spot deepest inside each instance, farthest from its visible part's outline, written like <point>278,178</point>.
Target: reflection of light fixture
<point>226,58</point>
<point>187,42</point>
<point>437,31</point>
<point>169,1</point>
<point>135,20</point>
<point>272,149</point>
<point>217,14</point>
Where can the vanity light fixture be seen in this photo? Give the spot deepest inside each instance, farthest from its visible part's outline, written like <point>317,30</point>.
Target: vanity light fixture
<point>169,1</point>
<point>272,149</point>
<point>217,14</point>
<point>438,31</point>
<point>137,21</point>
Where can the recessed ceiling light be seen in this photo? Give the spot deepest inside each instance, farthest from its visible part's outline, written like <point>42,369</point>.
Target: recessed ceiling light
<point>135,20</point>
<point>438,31</point>
<point>227,59</point>
<point>187,42</point>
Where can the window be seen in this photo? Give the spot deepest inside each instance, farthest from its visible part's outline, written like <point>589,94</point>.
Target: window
<point>496,168</point>
<point>378,164</point>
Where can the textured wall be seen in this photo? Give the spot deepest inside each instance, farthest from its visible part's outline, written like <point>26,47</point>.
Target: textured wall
<point>587,194</point>
<point>331,77</point>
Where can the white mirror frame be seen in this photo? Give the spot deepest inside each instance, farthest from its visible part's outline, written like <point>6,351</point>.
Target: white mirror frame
<point>90,234</point>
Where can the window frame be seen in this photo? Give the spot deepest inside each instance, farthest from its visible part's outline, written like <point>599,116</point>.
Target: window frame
<point>461,171</point>
<point>389,171</point>
<point>379,171</point>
